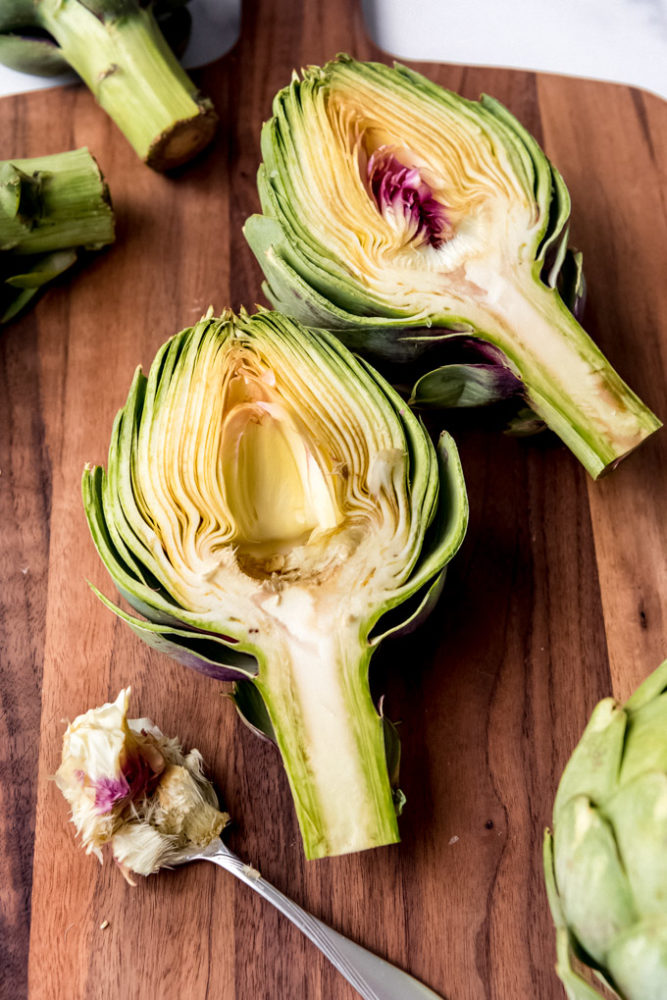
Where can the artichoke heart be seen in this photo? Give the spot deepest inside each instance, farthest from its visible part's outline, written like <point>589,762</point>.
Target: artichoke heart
<point>268,498</point>
<point>606,860</point>
<point>409,221</point>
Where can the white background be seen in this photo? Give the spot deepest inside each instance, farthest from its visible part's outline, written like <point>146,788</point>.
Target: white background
<point>620,40</point>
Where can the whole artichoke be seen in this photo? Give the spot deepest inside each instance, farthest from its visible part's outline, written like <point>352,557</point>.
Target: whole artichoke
<point>606,861</point>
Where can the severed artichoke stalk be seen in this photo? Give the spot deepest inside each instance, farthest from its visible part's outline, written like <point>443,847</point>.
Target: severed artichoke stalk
<point>130,786</point>
<point>268,500</point>
<point>119,50</point>
<point>406,219</point>
<point>51,207</point>
<point>606,861</point>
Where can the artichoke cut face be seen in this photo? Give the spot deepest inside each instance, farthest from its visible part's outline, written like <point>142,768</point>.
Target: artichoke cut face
<point>413,193</point>
<point>252,478</point>
<point>268,499</point>
<point>401,215</point>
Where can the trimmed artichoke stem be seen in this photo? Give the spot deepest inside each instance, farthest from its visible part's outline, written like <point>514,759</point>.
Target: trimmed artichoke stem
<point>73,205</point>
<point>568,380</point>
<point>331,740</point>
<point>138,81</point>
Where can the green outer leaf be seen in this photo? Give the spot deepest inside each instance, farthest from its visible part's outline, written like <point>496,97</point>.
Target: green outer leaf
<point>638,814</point>
<point>587,854</point>
<point>410,615</point>
<point>44,269</point>
<point>638,960</point>
<point>654,685</point>
<point>17,14</point>
<point>576,987</point>
<point>184,643</point>
<point>17,304</point>
<point>463,385</point>
<point>152,603</point>
<point>252,710</point>
<point>38,56</point>
<point>593,768</point>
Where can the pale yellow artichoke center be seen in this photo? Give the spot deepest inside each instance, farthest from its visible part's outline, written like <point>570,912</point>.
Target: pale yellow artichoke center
<point>256,470</point>
<point>277,482</point>
<point>486,210</point>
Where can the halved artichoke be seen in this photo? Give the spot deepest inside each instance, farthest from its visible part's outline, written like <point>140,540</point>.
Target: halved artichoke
<point>606,861</point>
<point>404,218</point>
<point>269,499</point>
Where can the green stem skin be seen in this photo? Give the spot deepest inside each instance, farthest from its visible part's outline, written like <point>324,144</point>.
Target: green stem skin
<point>331,740</point>
<point>68,206</point>
<point>568,380</point>
<point>135,77</point>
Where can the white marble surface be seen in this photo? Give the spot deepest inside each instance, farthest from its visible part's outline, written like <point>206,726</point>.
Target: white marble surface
<point>624,41</point>
<point>620,40</point>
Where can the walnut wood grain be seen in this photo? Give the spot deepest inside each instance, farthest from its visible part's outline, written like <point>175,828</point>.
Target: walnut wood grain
<point>555,598</point>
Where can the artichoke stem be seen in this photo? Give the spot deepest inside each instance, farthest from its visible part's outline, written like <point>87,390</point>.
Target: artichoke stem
<point>64,203</point>
<point>136,78</point>
<point>568,381</point>
<point>332,743</point>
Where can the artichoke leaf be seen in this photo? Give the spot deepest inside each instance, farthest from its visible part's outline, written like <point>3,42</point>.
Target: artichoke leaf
<point>252,711</point>
<point>638,960</point>
<point>206,652</point>
<point>460,385</point>
<point>44,269</point>
<point>37,56</point>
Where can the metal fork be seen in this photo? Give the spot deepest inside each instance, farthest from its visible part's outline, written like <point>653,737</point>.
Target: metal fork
<point>371,976</point>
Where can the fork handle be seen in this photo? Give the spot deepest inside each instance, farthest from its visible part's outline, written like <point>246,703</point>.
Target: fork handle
<point>371,976</point>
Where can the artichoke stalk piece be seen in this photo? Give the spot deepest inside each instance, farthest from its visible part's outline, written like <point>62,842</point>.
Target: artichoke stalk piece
<point>51,207</point>
<point>404,218</point>
<point>606,861</point>
<point>119,51</point>
<point>268,500</point>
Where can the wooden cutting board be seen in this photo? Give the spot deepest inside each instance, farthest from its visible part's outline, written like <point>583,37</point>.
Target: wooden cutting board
<point>556,599</point>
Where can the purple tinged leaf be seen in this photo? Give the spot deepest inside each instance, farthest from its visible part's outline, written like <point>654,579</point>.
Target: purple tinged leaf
<point>402,190</point>
<point>463,385</point>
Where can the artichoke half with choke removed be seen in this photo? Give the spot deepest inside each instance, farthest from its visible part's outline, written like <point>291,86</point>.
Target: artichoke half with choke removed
<point>119,49</point>
<point>606,860</point>
<point>274,509</point>
<point>409,220</point>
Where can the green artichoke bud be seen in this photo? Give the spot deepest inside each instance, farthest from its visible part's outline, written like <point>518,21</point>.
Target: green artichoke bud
<point>51,208</point>
<point>274,509</point>
<point>119,50</point>
<point>405,218</point>
<point>606,861</point>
